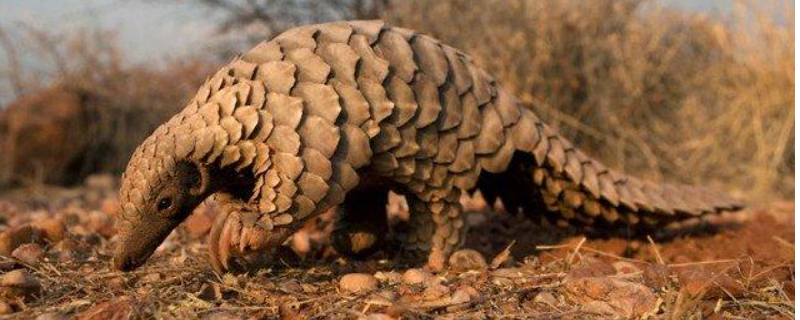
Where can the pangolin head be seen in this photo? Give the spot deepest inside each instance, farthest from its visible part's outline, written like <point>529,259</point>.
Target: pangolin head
<point>158,191</point>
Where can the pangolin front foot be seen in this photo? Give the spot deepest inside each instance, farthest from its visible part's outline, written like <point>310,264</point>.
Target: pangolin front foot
<point>239,233</point>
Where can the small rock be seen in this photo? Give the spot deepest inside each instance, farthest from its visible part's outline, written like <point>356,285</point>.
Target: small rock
<point>210,292</point>
<point>460,296</point>
<point>5,308</point>
<point>52,229</point>
<point>289,312</point>
<point>102,224</point>
<point>65,250</point>
<point>416,276</point>
<point>151,278</point>
<point>222,316</point>
<point>118,283</point>
<point>655,276</point>
<point>591,268</point>
<point>389,276</point>
<point>507,276</point>
<point>625,267</point>
<point>467,259</point>
<point>511,273</point>
<point>358,282</point>
<point>385,295</point>
<point>379,316</point>
<point>15,237</point>
<point>20,283</point>
<point>52,316</point>
<point>110,207</point>
<point>612,297</point>
<point>473,293</point>
<point>301,243</point>
<point>547,298</point>
<point>290,285</point>
<point>29,253</point>
<point>100,182</point>
<point>709,285</point>
<point>695,282</point>
<point>435,290</point>
<point>120,309</point>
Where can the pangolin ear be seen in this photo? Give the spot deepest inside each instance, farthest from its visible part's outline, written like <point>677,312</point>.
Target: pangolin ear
<point>201,186</point>
<point>197,177</point>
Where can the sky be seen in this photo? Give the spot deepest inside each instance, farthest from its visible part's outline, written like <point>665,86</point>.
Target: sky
<point>150,29</point>
<point>146,29</point>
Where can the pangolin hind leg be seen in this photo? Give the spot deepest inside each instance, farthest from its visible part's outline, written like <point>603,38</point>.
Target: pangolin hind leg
<point>437,229</point>
<point>361,224</point>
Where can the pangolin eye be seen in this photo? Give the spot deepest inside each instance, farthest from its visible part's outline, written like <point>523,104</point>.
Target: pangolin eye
<point>164,204</point>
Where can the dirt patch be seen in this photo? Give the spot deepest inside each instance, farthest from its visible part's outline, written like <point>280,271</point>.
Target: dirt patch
<point>732,265</point>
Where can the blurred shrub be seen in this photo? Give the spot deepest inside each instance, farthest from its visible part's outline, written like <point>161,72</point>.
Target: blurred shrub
<point>661,93</point>
<point>91,113</point>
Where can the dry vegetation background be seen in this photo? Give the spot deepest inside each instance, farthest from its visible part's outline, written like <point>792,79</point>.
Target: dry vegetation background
<point>662,93</point>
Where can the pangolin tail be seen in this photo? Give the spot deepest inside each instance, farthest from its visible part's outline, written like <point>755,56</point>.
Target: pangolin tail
<point>548,174</point>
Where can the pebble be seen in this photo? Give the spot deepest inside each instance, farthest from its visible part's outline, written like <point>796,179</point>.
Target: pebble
<point>210,292</point>
<point>379,316</point>
<point>625,267</point>
<point>385,295</point>
<point>20,283</point>
<point>52,316</point>
<point>151,278</point>
<point>301,243</point>
<point>222,316</point>
<point>591,268</point>
<point>389,276</point>
<point>656,276</point>
<point>473,293</point>
<point>709,285</point>
<point>13,238</point>
<point>547,298</point>
<point>612,297</point>
<point>467,259</point>
<point>102,223</point>
<point>510,273</point>
<point>460,296</point>
<point>111,207</point>
<point>29,253</point>
<point>5,308</point>
<point>416,276</point>
<point>52,229</point>
<point>120,309</point>
<point>290,285</point>
<point>65,250</point>
<point>435,290</point>
<point>289,312</point>
<point>358,282</point>
<point>507,276</point>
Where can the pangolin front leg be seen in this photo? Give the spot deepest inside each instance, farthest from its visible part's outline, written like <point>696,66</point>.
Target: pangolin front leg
<point>240,230</point>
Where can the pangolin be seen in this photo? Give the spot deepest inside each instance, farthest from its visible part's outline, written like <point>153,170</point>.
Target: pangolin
<point>337,114</point>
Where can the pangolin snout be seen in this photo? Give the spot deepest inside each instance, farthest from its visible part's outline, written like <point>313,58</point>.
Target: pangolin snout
<point>137,243</point>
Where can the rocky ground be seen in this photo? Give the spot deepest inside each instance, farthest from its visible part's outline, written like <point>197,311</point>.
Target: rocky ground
<point>55,247</point>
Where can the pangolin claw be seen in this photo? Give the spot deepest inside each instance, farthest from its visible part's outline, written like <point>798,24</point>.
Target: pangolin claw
<point>233,237</point>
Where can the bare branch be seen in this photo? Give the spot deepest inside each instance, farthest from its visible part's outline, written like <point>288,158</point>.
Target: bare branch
<point>14,68</point>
